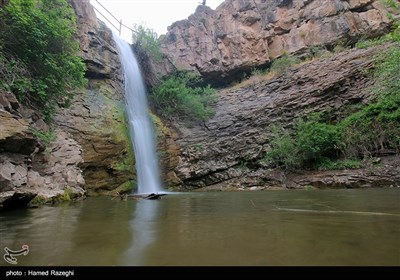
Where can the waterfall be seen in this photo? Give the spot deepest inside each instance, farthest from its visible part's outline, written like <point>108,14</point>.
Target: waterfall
<point>140,126</point>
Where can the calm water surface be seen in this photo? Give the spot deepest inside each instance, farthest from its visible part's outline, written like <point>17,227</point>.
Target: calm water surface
<point>324,227</point>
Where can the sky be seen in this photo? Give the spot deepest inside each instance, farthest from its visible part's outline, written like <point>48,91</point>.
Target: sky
<point>154,14</point>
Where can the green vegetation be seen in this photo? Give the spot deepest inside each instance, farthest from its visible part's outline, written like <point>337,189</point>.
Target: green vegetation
<point>45,136</point>
<point>377,126</point>
<point>312,143</point>
<point>145,42</point>
<point>126,187</point>
<point>182,96</point>
<point>66,196</point>
<point>318,142</point>
<point>391,4</point>
<point>38,52</point>
<point>283,63</point>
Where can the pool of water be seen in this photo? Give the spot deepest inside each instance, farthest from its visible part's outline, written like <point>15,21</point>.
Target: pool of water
<point>270,228</point>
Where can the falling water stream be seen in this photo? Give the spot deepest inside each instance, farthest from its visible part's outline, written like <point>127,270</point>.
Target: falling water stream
<point>140,126</point>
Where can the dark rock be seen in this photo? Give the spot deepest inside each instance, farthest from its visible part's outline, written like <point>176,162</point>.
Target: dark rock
<point>14,200</point>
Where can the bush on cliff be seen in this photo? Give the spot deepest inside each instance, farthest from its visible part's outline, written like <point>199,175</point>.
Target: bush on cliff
<point>373,130</point>
<point>312,142</point>
<point>37,37</point>
<point>182,96</point>
<point>146,43</point>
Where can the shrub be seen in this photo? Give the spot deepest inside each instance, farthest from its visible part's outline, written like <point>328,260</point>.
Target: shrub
<point>316,140</point>
<point>310,142</point>
<point>373,129</point>
<point>283,63</point>
<point>145,42</point>
<point>284,151</point>
<point>39,35</point>
<point>182,96</point>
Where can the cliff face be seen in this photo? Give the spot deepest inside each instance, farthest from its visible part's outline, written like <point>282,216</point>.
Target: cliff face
<point>91,152</point>
<point>28,168</point>
<point>239,35</point>
<point>97,118</point>
<point>227,150</point>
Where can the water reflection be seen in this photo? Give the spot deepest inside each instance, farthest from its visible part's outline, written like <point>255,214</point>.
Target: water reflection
<point>43,230</point>
<point>248,228</point>
<point>90,232</point>
<point>144,231</point>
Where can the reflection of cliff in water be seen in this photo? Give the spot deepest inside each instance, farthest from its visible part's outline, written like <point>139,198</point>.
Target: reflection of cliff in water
<point>330,227</point>
<point>102,232</point>
<point>47,232</point>
<point>90,232</point>
<point>144,231</point>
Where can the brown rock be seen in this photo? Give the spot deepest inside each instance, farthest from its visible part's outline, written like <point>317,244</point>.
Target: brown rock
<point>240,35</point>
<point>95,118</point>
<point>15,135</point>
<point>226,150</point>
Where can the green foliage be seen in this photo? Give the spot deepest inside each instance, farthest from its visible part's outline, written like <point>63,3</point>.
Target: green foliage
<point>367,43</point>
<point>38,35</point>
<point>45,136</point>
<point>284,151</point>
<point>377,126</point>
<point>258,72</point>
<point>182,96</point>
<point>318,51</point>
<point>316,140</point>
<point>283,63</point>
<point>327,164</point>
<point>311,142</point>
<point>391,4</point>
<point>374,128</point>
<point>145,42</point>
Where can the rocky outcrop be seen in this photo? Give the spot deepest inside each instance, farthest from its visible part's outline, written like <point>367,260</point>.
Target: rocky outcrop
<point>240,35</point>
<point>91,148</point>
<point>384,174</point>
<point>28,168</point>
<point>168,152</point>
<point>227,150</point>
<point>96,116</point>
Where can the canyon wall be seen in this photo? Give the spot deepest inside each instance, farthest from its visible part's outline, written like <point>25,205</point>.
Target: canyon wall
<point>242,34</point>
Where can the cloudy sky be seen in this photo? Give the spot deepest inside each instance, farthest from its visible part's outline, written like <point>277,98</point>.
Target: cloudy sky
<point>155,14</point>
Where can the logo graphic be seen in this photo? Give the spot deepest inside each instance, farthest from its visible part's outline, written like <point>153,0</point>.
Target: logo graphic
<point>9,255</point>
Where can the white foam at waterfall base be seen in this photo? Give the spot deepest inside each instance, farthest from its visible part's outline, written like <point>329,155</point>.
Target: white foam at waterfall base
<point>140,126</point>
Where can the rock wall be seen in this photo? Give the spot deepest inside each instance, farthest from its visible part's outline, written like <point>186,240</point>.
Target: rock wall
<point>97,118</point>
<point>239,34</point>
<point>29,168</point>
<point>91,151</point>
<point>227,150</point>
